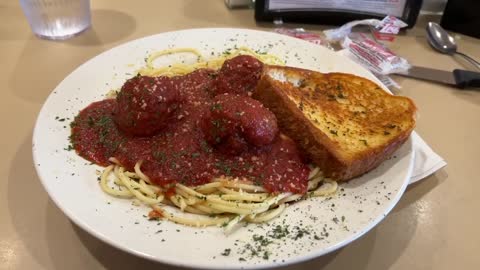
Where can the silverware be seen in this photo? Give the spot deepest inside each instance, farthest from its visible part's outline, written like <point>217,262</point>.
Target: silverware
<point>458,77</point>
<point>443,42</point>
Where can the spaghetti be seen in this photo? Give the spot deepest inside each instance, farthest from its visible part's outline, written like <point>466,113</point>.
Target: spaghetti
<point>225,201</point>
<point>212,63</point>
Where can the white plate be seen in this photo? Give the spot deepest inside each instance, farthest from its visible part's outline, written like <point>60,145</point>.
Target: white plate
<point>71,181</point>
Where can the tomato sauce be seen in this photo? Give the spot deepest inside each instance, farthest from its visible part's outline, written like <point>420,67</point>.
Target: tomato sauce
<point>179,152</point>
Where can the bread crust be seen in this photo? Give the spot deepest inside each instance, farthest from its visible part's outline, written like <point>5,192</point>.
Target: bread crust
<point>333,160</point>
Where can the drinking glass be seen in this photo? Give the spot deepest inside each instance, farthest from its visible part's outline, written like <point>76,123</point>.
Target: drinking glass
<point>57,19</point>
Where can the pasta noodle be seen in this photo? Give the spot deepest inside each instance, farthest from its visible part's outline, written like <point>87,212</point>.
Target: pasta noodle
<point>212,63</point>
<point>229,200</point>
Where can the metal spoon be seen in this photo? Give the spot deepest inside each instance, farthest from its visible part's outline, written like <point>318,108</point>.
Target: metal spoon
<point>441,41</point>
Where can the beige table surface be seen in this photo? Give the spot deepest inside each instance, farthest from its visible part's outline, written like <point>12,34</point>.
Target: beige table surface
<point>435,225</point>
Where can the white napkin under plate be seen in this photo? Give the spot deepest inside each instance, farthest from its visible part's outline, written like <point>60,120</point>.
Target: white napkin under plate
<point>426,160</point>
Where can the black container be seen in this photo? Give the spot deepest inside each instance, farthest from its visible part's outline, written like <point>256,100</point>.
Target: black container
<point>462,16</point>
<point>264,12</point>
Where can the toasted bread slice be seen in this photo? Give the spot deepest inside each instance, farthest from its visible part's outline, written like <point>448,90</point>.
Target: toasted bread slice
<point>346,124</point>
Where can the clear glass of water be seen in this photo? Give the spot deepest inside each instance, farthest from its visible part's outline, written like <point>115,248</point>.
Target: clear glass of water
<point>57,19</point>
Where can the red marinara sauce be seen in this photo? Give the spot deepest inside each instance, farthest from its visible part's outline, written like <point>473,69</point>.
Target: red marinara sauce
<point>178,147</point>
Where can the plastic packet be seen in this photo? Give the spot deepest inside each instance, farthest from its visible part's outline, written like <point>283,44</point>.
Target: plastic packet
<point>338,34</point>
<point>384,29</point>
<point>385,79</point>
<point>390,25</point>
<point>388,28</point>
<point>373,55</point>
<point>302,34</point>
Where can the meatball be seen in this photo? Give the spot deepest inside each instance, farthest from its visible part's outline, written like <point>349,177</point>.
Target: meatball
<point>239,75</point>
<point>236,121</point>
<point>145,104</point>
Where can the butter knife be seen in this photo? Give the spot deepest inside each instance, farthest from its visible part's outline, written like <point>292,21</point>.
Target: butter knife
<point>458,77</point>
